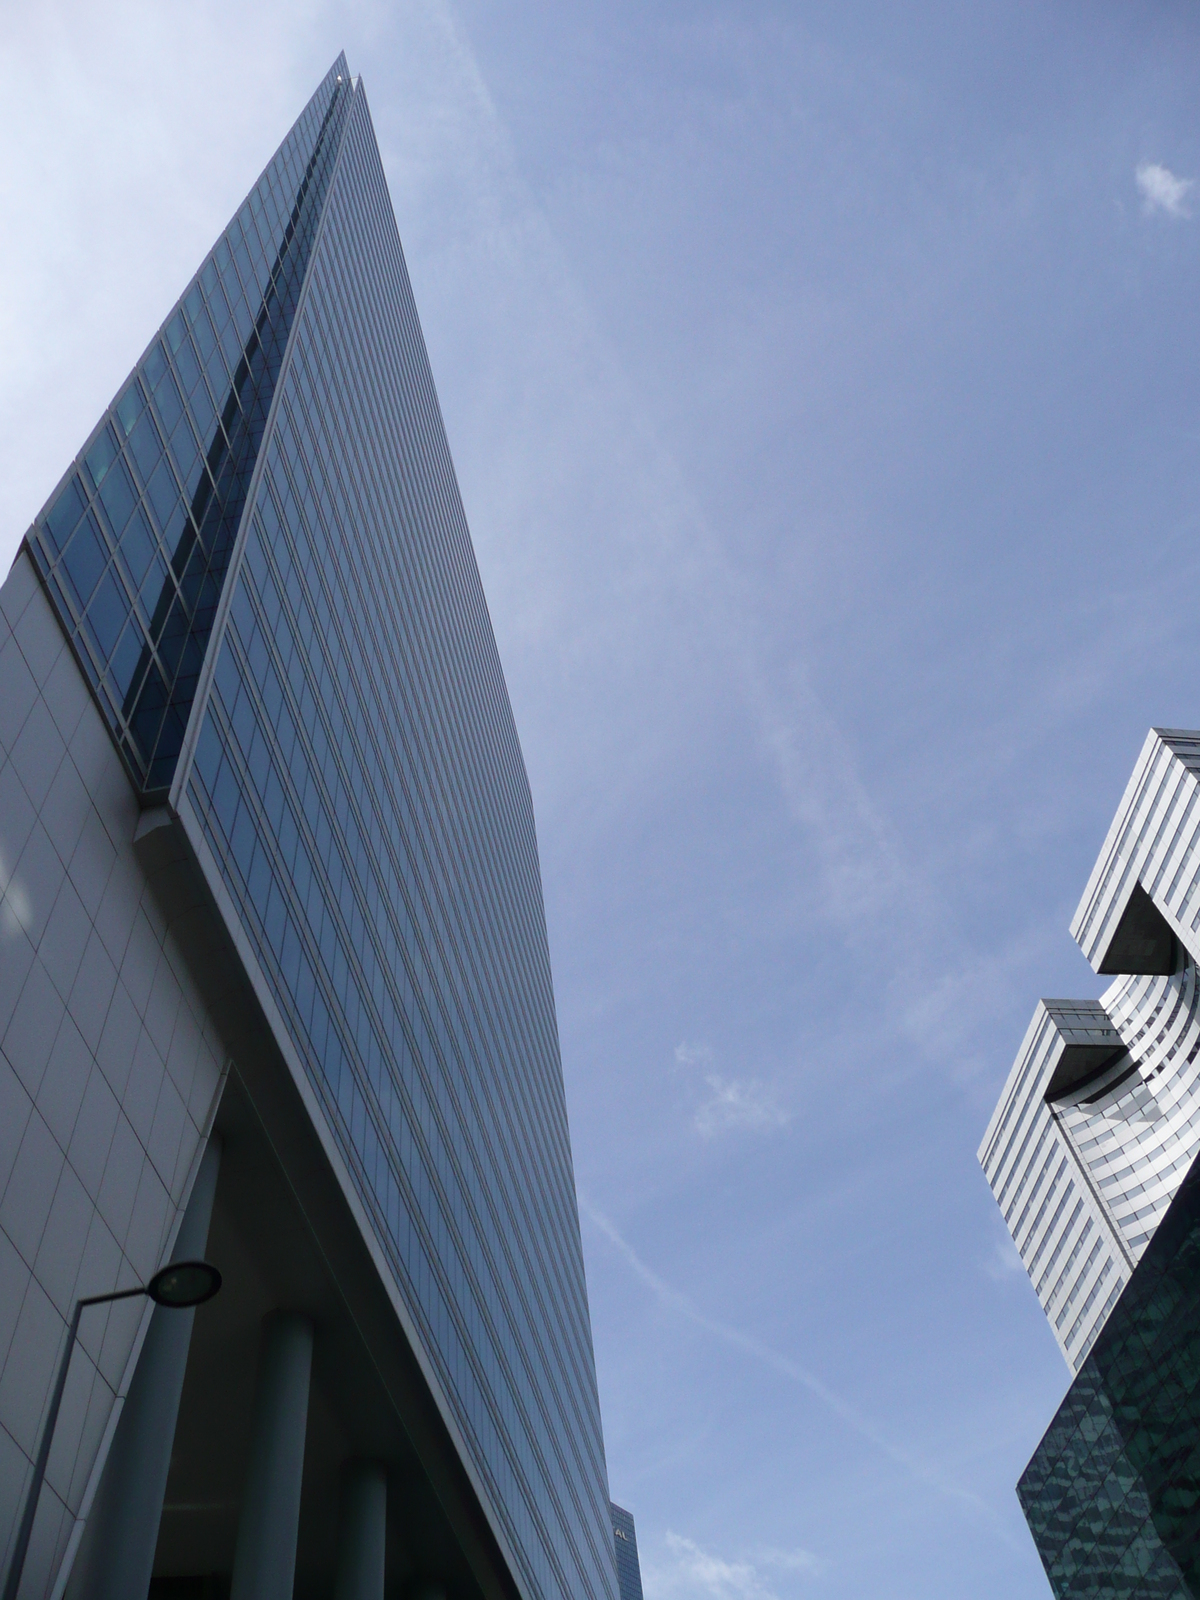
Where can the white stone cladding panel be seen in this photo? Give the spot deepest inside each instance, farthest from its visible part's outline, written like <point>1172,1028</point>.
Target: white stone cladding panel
<point>109,1069</point>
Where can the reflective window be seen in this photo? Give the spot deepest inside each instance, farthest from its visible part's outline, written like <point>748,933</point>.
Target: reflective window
<point>135,545</point>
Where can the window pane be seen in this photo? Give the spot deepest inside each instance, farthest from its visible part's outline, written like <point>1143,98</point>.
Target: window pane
<point>187,365</point>
<point>107,613</point>
<point>101,456</point>
<point>145,446</point>
<point>124,664</point>
<point>163,494</point>
<point>84,559</point>
<point>166,398</point>
<point>64,514</point>
<point>117,495</point>
<point>154,366</point>
<point>129,407</point>
<point>137,546</point>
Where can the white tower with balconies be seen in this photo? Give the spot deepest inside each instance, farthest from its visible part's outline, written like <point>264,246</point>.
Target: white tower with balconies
<point>1099,1118</point>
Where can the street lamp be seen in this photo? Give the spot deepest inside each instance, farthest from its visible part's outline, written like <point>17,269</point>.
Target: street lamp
<point>179,1286</point>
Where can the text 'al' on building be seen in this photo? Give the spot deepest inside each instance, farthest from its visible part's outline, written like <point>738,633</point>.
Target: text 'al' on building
<point>274,980</point>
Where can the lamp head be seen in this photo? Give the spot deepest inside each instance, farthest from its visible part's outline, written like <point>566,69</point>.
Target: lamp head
<point>183,1284</point>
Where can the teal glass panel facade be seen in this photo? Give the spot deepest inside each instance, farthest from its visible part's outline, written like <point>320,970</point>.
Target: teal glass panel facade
<point>134,545</point>
<point>1112,1493</point>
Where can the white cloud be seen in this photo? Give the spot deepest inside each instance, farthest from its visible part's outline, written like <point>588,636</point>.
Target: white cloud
<point>697,1571</point>
<point>790,1560</point>
<point>734,1103</point>
<point>731,1102</point>
<point>1162,190</point>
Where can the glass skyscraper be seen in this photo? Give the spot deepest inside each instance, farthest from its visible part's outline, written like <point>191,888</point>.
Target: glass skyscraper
<point>1112,1494</point>
<point>260,564</point>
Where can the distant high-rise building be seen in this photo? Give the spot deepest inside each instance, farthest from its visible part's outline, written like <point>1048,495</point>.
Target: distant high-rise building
<point>1090,1154</point>
<point>1099,1119</point>
<point>629,1571</point>
<point>274,978</point>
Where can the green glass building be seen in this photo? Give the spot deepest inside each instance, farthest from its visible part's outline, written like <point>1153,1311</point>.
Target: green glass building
<point>1112,1494</point>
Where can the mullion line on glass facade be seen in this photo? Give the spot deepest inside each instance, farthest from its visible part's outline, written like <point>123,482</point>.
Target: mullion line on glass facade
<point>429,1256</point>
<point>420,364</point>
<point>416,937</point>
<point>434,1252</point>
<point>533,1325</point>
<point>333,1006</point>
<point>456,623</point>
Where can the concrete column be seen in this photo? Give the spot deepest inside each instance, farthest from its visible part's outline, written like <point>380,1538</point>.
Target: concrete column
<point>362,1539</point>
<point>264,1559</point>
<point>116,1557</point>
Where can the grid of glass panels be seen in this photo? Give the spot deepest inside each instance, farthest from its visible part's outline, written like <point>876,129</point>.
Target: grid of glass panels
<point>134,546</point>
<point>358,781</point>
<point>1112,1494</point>
<point>629,1571</point>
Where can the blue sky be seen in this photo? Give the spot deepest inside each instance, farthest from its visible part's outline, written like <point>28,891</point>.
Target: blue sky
<point>822,385</point>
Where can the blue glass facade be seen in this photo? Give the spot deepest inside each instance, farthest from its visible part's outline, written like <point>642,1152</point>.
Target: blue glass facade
<point>135,545</point>
<point>329,717</point>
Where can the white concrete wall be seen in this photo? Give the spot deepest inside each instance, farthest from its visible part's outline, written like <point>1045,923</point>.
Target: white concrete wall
<point>109,1069</point>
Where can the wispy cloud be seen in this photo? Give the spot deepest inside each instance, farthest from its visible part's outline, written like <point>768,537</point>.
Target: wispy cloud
<point>785,1367</point>
<point>696,1571</point>
<point>731,1103</point>
<point>790,1560</point>
<point>1162,191</point>
<point>1003,1263</point>
<point>864,875</point>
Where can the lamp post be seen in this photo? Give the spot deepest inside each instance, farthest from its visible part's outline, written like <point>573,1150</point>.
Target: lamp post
<point>179,1286</point>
